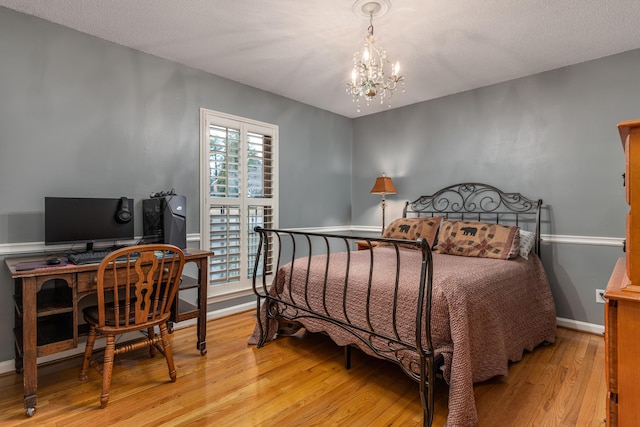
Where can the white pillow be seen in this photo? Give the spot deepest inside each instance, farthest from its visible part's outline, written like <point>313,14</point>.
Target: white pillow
<point>527,241</point>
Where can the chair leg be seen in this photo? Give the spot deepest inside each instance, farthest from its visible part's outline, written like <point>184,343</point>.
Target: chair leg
<point>88,353</point>
<point>152,348</point>
<point>109,351</point>
<point>168,353</point>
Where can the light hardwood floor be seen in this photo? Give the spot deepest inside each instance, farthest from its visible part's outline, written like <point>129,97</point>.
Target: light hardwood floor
<point>301,381</point>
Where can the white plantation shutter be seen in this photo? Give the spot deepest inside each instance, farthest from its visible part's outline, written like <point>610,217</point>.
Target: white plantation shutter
<point>224,241</point>
<point>224,161</point>
<point>238,171</point>
<point>259,215</point>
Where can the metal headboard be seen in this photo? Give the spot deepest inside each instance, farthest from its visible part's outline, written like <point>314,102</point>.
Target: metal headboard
<point>473,201</point>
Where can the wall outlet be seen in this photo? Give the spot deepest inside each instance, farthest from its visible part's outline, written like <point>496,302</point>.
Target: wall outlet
<point>600,296</point>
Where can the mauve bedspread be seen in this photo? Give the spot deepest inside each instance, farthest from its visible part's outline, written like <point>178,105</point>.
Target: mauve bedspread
<point>485,312</point>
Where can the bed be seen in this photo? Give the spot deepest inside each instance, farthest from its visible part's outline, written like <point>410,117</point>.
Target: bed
<point>455,288</point>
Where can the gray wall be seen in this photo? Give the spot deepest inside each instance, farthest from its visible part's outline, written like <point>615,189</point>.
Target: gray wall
<point>83,117</point>
<point>551,136</point>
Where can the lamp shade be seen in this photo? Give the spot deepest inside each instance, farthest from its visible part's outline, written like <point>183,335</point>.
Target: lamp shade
<point>383,185</point>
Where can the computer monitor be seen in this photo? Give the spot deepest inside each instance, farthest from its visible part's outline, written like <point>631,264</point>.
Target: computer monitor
<point>87,220</point>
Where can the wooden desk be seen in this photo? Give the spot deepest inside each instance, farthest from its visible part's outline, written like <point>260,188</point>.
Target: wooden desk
<point>46,310</point>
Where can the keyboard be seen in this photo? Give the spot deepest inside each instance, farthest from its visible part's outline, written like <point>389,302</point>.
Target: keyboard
<point>96,257</point>
<point>132,257</point>
<point>92,257</point>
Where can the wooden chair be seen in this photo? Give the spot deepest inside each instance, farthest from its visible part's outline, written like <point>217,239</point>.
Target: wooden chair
<point>146,281</point>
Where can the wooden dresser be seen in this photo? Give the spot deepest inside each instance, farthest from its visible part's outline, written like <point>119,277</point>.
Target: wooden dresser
<point>622,309</point>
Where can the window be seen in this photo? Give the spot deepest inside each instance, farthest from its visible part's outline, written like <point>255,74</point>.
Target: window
<point>239,169</point>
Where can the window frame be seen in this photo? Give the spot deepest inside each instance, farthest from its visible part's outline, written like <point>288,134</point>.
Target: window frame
<point>242,287</point>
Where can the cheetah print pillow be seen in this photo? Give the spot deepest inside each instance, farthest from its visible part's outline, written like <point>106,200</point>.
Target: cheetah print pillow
<point>527,242</point>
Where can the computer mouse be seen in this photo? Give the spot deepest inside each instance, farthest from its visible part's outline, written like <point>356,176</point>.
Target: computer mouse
<point>53,261</point>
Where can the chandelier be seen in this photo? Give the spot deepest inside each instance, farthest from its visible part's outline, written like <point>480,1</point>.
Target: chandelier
<point>369,80</point>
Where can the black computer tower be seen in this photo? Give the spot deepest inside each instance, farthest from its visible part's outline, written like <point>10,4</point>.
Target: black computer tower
<point>164,220</point>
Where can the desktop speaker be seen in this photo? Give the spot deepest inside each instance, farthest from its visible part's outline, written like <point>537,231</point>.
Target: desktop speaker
<point>164,220</point>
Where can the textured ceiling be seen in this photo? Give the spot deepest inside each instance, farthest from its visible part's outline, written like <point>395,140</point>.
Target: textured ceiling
<point>303,49</point>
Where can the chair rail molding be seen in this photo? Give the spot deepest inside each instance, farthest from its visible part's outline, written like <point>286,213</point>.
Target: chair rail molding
<point>21,248</point>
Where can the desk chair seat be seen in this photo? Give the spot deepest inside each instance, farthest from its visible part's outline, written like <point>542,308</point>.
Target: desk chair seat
<point>141,298</point>
<point>92,313</point>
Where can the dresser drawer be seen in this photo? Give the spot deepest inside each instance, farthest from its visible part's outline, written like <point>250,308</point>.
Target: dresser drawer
<point>628,245</point>
<point>627,171</point>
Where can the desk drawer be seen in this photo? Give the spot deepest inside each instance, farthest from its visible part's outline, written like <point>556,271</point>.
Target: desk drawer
<point>87,281</point>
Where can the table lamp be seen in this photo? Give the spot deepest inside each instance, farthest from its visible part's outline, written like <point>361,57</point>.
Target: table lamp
<point>383,186</point>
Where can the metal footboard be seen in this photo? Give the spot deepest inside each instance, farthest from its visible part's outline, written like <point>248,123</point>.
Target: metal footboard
<point>279,247</point>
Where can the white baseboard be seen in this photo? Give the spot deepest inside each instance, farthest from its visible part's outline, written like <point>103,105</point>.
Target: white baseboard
<point>216,314</point>
<point>580,326</point>
<point>9,366</point>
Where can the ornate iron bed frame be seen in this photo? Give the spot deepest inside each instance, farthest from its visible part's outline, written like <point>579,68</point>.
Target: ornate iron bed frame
<point>465,201</point>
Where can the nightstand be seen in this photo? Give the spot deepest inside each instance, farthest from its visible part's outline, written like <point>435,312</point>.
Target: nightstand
<point>364,245</point>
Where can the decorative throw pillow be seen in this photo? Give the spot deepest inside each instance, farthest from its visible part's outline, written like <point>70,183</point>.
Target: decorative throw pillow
<point>413,229</point>
<point>527,241</point>
<point>478,239</point>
